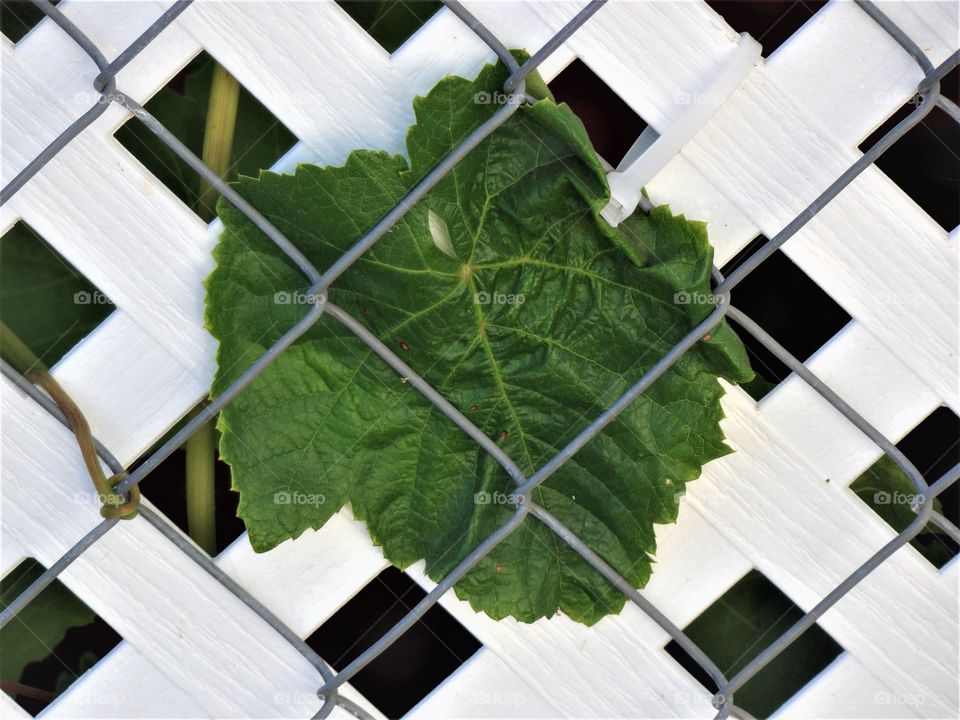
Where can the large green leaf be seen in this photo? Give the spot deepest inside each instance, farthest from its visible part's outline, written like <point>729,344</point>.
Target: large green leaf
<point>329,423</point>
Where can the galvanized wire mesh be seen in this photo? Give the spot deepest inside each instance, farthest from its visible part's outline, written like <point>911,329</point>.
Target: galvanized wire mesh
<point>105,84</point>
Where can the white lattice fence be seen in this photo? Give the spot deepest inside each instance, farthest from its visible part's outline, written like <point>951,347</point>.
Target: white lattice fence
<point>193,650</point>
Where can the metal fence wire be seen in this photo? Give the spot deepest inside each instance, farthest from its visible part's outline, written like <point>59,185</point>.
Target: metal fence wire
<point>105,84</point>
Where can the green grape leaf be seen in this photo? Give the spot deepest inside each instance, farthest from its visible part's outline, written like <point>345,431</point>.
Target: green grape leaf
<point>505,290</point>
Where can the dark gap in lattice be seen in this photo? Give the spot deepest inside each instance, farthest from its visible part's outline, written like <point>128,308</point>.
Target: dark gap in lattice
<point>925,162</point>
<point>413,666</point>
<point>391,23</point>
<point>54,640</point>
<point>738,626</point>
<point>934,448</point>
<point>769,22</point>
<point>612,125</point>
<point>260,139</point>
<point>44,300</point>
<point>166,488</point>
<point>790,306</point>
<point>18,17</point>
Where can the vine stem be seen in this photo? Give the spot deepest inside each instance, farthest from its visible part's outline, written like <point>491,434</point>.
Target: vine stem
<point>201,447</point>
<point>33,369</point>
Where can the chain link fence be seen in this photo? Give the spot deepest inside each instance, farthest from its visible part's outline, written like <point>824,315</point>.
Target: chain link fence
<point>928,92</point>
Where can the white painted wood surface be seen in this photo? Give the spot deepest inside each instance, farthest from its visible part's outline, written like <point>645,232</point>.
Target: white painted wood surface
<point>783,137</point>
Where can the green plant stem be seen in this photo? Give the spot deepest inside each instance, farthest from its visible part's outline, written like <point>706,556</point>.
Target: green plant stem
<point>32,368</point>
<point>218,136</point>
<point>201,448</point>
<point>201,510</point>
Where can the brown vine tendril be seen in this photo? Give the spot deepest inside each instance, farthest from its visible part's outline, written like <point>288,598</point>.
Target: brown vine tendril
<point>114,504</point>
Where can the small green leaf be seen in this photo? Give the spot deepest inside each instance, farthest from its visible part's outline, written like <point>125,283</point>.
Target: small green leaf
<point>41,625</point>
<point>390,22</point>
<point>741,624</point>
<point>259,138</point>
<point>47,303</point>
<point>889,491</point>
<point>540,318</point>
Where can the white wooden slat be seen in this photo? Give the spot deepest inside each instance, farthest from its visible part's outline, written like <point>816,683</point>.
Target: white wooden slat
<point>845,689</point>
<point>133,389</point>
<point>124,684</point>
<point>484,687</point>
<point>305,580</point>
<point>67,206</point>
<point>183,621</point>
<point>438,56</point>
<point>63,68</point>
<point>770,157</point>
<point>888,621</point>
<point>840,42</point>
<point>11,709</point>
<point>342,93</point>
<point>877,77</point>
<point>146,691</point>
<point>869,379</point>
<point>618,667</point>
<point>11,554</point>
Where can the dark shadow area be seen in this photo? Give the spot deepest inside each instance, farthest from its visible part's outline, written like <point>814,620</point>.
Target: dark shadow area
<point>785,302</point>
<point>415,664</point>
<point>612,125</point>
<point>738,627</point>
